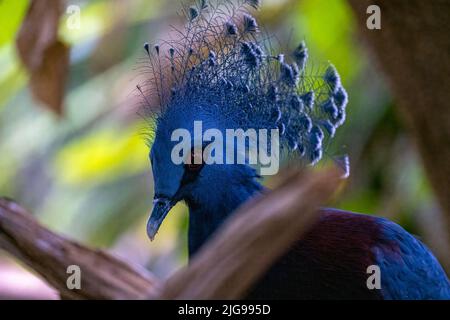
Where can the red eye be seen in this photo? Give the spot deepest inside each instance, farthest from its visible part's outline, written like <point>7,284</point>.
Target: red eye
<point>193,166</point>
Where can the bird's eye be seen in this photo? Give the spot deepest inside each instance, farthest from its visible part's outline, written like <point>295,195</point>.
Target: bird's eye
<point>192,165</point>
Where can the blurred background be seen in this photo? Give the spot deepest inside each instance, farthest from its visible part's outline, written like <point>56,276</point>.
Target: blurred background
<point>79,162</point>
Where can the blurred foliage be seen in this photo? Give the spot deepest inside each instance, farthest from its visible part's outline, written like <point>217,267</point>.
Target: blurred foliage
<point>108,154</point>
<point>11,16</point>
<point>87,174</point>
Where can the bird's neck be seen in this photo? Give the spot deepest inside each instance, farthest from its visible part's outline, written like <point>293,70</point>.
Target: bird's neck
<point>205,218</point>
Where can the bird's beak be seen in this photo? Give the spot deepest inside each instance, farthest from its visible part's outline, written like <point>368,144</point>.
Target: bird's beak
<point>160,209</point>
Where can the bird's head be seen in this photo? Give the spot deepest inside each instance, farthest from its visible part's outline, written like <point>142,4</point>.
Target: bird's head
<point>222,74</point>
<point>180,165</point>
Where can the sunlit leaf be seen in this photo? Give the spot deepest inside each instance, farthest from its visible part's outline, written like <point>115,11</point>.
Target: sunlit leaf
<point>11,14</point>
<point>102,156</point>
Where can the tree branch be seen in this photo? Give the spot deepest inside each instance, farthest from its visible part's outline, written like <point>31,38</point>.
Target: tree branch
<point>49,255</point>
<point>258,233</point>
<point>242,250</point>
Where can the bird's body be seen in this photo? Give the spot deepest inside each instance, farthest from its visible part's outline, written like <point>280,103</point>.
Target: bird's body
<point>220,75</point>
<point>331,261</point>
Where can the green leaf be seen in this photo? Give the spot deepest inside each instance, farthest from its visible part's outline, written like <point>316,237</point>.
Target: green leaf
<point>12,13</point>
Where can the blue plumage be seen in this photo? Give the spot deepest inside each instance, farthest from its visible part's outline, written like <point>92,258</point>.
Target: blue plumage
<point>220,72</point>
<point>409,269</point>
<point>233,74</point>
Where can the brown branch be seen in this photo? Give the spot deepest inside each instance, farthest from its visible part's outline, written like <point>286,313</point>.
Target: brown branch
<point>413,48</point>
<point>226,267</point>
<point>247,245</point>
<point>49,254</point>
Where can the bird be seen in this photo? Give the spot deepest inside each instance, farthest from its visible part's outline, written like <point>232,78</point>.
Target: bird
<point>221,70</point>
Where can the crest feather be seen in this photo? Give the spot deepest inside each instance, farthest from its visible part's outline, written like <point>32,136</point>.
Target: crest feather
<point>220,63</point>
